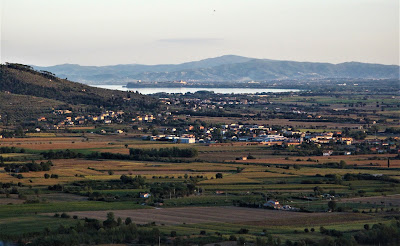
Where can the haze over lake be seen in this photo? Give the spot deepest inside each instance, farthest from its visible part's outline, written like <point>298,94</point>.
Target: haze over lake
<point>184,90</point>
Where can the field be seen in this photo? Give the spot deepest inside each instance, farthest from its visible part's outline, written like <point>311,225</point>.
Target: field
<point>213,196</point>
<point>238,215</point>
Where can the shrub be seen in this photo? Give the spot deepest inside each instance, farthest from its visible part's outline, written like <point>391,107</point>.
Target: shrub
<point>65,216</point>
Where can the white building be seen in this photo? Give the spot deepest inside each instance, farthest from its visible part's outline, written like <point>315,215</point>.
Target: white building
<point>187,140</point>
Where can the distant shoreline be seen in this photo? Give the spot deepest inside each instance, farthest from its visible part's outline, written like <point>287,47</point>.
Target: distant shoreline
<point>191,89</point>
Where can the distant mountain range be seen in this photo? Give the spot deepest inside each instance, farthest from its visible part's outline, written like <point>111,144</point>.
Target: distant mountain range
<point>227,68</point>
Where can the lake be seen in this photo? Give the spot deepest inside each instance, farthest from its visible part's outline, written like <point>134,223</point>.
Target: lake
<point>184,90</point>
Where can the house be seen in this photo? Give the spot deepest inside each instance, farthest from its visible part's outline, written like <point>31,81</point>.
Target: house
<point>119,131</point>
<point>327,153</point>
<point>347,141</point>
<point>145,195</point>
<point>187,140</point>
<point>272,204</point>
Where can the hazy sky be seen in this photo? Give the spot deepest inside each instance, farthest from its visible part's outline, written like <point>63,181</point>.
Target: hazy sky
<point>99,32</point>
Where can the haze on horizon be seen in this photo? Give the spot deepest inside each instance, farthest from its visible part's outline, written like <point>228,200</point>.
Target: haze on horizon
<point>101,32</point>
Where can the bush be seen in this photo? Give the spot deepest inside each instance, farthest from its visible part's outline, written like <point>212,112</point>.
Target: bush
<point>243,231</point>
<point>65,216</point>
<point>232,238</point>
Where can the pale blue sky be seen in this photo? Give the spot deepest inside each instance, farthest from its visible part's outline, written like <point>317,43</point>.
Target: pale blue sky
<point>97,32</point>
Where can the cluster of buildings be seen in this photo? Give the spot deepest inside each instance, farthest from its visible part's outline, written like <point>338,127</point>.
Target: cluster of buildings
<point>215,102</point>
<point>263,135</point>
<point>106,117</point>
<point>184,139</point>
<point>274,204</point>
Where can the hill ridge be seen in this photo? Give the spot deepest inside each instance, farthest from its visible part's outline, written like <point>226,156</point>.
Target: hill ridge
<point>228,68</point>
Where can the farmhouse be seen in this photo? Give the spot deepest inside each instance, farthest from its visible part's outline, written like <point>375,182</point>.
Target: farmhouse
<point>272,204</point>
<point>145,195</point>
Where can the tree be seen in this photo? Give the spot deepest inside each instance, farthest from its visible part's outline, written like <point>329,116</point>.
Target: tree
<point>218,176</point>
<point>128,221</point>
<point>332,205</point>
<point>110,216</point>
<point>46,175</point>
<point>110,222</point>
<point>337,179</point>
<point>249,157</point>
<point>318,190</point>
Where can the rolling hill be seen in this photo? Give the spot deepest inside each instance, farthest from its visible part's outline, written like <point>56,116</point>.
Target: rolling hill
<point>228,68</point>
<point>23,88</point>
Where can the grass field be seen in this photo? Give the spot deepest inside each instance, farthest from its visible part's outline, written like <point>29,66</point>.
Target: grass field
<point>250,182</point>
<point>198,215</point>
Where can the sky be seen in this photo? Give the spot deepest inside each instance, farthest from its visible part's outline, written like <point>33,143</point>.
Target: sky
<point>99,32</point>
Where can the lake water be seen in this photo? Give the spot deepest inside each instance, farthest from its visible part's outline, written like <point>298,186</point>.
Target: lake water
<point>147,91</point>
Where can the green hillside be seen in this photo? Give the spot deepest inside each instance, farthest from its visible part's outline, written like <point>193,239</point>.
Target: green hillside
<point>23,80</point>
